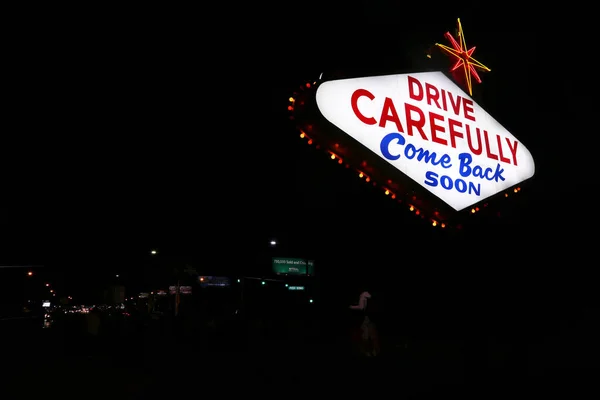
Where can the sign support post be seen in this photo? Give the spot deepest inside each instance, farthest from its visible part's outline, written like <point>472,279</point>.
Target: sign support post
<point>177,299</point>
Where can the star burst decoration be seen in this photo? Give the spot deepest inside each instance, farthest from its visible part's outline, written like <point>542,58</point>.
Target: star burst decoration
<point>464,58</point>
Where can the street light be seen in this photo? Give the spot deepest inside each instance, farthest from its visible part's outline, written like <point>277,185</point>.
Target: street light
<point>273,242</point>
<point>153,252</point>
<point>30,273</point>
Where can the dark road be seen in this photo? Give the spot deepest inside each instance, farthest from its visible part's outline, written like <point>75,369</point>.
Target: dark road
<point>156,358</point>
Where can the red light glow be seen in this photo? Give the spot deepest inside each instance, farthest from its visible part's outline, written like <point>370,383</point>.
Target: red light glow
<point>464,57</point>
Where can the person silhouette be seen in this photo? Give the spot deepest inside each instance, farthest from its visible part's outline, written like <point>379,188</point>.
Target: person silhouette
<point>362,301</point>
<point>369,343</point>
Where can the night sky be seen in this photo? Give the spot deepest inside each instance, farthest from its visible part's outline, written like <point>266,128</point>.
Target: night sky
<point>127,130</point>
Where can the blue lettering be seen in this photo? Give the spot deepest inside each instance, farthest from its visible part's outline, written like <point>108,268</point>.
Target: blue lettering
<point>473,188</point>
<point>465,170</point>
<point>460,185</point>
<point>385,145</point>
<point>432,179</point>
<point>411,152</point>
<point>446,182</point>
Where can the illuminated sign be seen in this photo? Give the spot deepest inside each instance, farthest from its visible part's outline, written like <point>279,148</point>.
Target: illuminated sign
<point>293,266</point>
<point>425,126</point>
<point>216,281</point>
<point>464,57</point>
<point>182,289</point>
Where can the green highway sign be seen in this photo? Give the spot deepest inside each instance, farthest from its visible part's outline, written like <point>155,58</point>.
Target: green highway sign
<point>293,266</point>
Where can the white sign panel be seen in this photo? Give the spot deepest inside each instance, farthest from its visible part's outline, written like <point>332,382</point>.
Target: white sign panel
<point>428,128</point>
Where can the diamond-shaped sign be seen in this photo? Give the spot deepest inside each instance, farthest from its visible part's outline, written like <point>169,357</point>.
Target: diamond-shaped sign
<point>425,126</point>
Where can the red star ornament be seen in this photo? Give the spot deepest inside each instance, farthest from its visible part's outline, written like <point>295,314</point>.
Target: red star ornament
<point>464,57</point>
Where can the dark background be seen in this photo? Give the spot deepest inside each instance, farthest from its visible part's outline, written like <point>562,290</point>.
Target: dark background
<point>135,128</point>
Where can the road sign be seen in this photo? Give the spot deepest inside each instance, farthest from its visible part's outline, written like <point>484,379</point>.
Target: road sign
<point>293,266</point>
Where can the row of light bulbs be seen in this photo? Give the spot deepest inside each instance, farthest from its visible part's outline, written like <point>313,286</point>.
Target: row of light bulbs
<point>367,179</point>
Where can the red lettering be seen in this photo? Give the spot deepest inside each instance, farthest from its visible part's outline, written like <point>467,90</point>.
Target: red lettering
<point>389,113</point>
<point>452,124</point>
<point>513,150</point>
<point>502,158</point>
<point>438,124</point>
<point>444,104</point>
<point>468,109</point>
<point>432,94</point>
<point>438,98</point>
<point>414,123</point>
<point>358,93</point>
<point>436,128</point>
<point>455,103</point>
<point>476,151</point>
<point>412,83</point>
<point>488,151</point>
